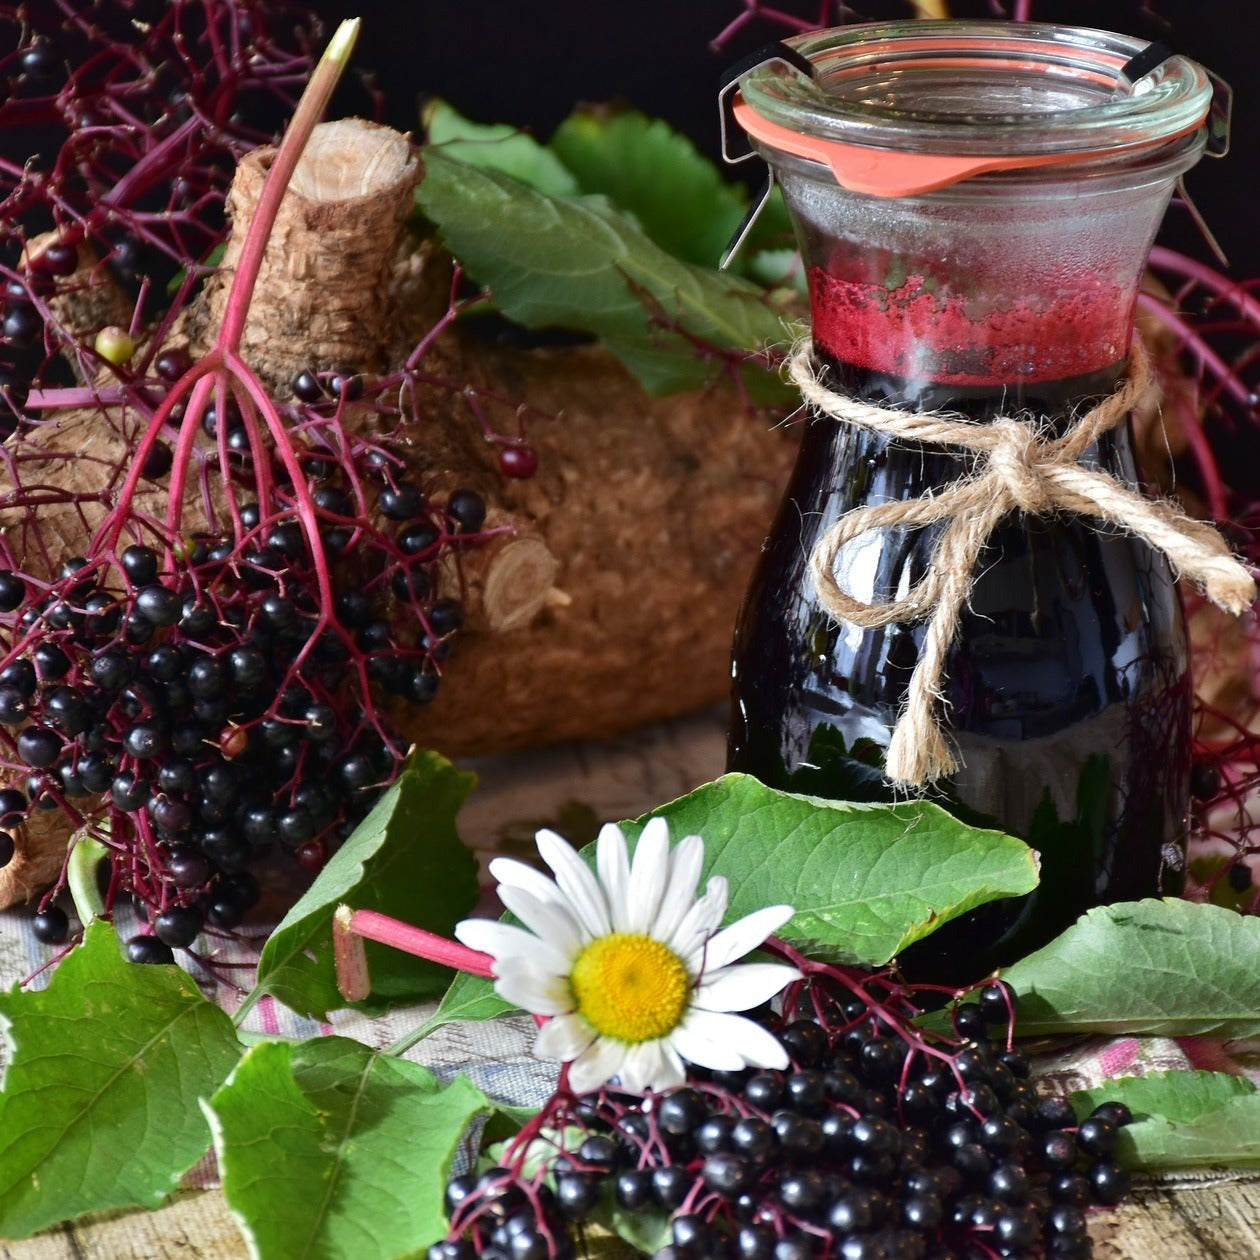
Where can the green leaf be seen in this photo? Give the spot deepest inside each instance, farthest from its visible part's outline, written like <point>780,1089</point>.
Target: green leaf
<point>329,1149</point>
<point>654,174</point>
<point>867,880</point>
<point>406,860</point>
<point>1183,1119</point>
<point>1164,968</point>
<point>99,1108</point>
<point>580,264</point>
<point>497,147</point>
<point>469,998</point>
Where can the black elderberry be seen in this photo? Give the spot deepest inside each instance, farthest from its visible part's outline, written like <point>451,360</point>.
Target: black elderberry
<point>680,1112</point>
<point>1016,1227</point>
<point>146,740</point>
<point>764,1090</point>
<point>999,1133</point>
<point>445,617</point>
<point>1108,1182</point>
<point>799,1247</point>
<point>467,509</point>
<point>148,950</point>
<point>7,848</point>
<point>13,807</point>
<point>1069,1187</point>
<point>22,325</point>
<point>51,926</point>
<point>159,605</point>
<point>755,1242</point>
<point>67,710</point>
<point>1009,1182</point>
<point>186,867</point>
<point>714,1134</point>
<point>728,1173</point>
<point>14,708</point>
<point>670,1185</point>
<point>882,1058</point>
<point>922,1211</point>
<point>140,564</point>
<point>51,663</point>
<point>12,591</point>
<point>177,926</point>
<point>971,1021</point>
<point>801,1190</point>
<point>1058,1149</point>
<point>597,1151</point>
<point>39,746</point>
<point>1117,1112</point>
<point>402,502</point>
<point>851,1211</point>
<point>577,1195</point>
<point>799,1136</point>
<point>228,850</point>
<point>632,1188</point>
<point>1096,1135</point>
<point>754,1137</point>
<point>1053,1113</point>
<point>410,583</point>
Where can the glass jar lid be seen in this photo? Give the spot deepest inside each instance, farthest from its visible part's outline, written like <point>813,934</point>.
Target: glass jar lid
<point>906,107</point>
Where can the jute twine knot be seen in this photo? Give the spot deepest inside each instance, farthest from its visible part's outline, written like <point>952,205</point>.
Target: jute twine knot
<point>1020,465</point>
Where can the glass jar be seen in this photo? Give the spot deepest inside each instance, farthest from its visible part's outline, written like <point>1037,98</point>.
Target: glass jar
<point>974,203</point>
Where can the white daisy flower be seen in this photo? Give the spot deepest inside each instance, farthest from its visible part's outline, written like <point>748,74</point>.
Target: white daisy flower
<point>629,964</point>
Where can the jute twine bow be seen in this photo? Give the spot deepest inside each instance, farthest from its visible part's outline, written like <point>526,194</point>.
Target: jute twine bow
<point>1019,465</point>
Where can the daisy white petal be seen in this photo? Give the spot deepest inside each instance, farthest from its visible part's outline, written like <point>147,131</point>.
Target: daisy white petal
<point>740,987</point>
<point>596,1065</point>
<point>744,934</point>
<point>502,940</point>
<point>696,1046</point>
<point>641,1066</point>
<point>564,1037</point>
<point>685,864</point>
<point>699,924</point>
<point>538,994</point>
<point>549,920</point>
<point>612,864</point>
<point>648,873</point>
<point>586,898</point>
<point>755,1046</point>
<point>509,873</point>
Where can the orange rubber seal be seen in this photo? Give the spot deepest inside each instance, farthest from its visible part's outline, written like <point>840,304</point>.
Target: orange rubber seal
<point>895,173</point>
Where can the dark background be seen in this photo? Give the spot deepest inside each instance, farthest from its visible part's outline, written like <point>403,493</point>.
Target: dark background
<point>528,62</point>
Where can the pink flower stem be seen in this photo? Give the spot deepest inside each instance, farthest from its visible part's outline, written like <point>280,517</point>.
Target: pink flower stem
<point>373,926</point>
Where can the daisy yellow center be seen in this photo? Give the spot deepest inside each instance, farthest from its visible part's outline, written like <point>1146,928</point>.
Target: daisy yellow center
<point>630,986</point>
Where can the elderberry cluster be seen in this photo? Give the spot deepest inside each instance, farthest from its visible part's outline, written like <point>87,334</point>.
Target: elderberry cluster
<point>873,1144</point>
<point>204,713</point>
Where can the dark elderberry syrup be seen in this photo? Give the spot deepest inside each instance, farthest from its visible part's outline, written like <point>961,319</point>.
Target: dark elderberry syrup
<point>1068,691</point>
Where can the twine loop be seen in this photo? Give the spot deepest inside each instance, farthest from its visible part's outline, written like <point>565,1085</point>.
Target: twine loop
<point>1019,465</point>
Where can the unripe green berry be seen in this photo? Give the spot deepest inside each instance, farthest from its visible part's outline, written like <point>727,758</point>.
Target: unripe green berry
<point>115,345</point>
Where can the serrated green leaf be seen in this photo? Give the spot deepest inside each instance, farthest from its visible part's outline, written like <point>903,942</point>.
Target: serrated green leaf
<point>1181,1096</point>
<point>406,860</point>
<point>1183,1119</point>
<point>329,1149</point>
<point>498,147</point>
<point>552,262</point>
<point>656,175</point>
<point>867,880</point>
<point>1164,968</point>
<point>99,1107</point>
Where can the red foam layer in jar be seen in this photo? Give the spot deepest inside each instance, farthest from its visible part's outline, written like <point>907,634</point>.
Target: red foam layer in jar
<point>914,333</point>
